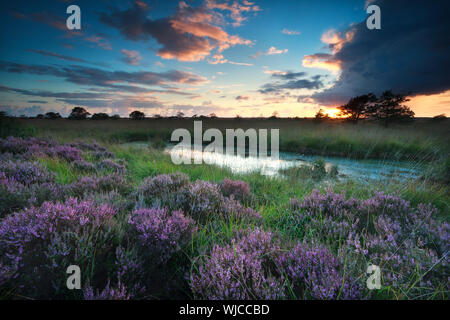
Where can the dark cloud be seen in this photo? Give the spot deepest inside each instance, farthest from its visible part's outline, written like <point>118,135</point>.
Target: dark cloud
<point>288,75</point>
<point>56,55</point>
<point>49,94</point>
<point>288,81</point>
<point>99,77</point>
<point>240,98</point>
<point>37,101</point>
<point>410,54</point>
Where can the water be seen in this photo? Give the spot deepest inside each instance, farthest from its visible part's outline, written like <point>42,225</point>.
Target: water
<point>348,168</point>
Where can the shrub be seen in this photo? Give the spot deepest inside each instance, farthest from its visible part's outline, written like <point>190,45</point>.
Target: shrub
<point>43,241</point>
<point>163,189</point>
<point>384,230</point>
<point>240,190</point>
<point>159,233</point>
<point>84,165</point>
<point>26,172</point>
<point>203,200</point>
<point>110,165</point>
<point>103,184</point>
<point>240,271</point>
<point>108,293</point>
<point>315,273</point>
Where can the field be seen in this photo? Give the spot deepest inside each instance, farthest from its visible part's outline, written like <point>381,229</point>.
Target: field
<point>141,227</point>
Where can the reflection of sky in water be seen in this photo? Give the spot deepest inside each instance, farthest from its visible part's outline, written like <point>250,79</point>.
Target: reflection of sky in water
<point>356,169</point>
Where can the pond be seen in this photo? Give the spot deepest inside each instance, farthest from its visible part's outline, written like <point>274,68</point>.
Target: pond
<point>347,168</point>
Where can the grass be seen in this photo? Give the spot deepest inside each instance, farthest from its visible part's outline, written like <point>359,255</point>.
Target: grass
<point>271,195</point>
<point>420,140</point>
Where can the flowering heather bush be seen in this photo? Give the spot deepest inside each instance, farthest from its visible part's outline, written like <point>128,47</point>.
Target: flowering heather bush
<point>84,165</point>
<point>314,272</point>
<point>39,243</point>
<point>26,172</point>
<point>159,233</point>
<point>102,154</point>
<point>384,230</point>
<point>34,147</point>
<point>110,165</point>
<point>108,293</point>
<point>163,188</point>
<point>234,209</point>
<point>65,152</point>
<point>240,190</point>
<point>103,184</point>
<point>243,270</point>
<point>202,199</point>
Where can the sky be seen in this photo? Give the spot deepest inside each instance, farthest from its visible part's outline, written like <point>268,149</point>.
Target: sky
<point>239,57</point>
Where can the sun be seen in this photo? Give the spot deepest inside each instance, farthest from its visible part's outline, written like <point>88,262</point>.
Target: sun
<point>332,112</point>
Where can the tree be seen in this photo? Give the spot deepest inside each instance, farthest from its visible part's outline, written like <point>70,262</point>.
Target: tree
<point>137,115</point>
<point>321,115</point>
<point>357,107</point>
<point>79,113</point>
<point>180,114</point>
<point>100,116</point>
<point>52,115</point>
<point>115,117</point>
<point>389,108</point>
<point>439,117</point>
<point>213,115</point>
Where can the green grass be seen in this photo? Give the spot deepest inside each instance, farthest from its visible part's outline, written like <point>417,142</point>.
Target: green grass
<point>420,140</point>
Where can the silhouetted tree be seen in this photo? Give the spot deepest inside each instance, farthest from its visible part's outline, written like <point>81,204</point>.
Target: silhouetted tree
<point>52,115</point>
<point>439,117</point>
<point>389,108</point>
<point>137,115</point>
<point>357,107</point>
<point>157,116</point>
<point>115,117</point>
<point>180,114</point>
<point>3,115</point>
<point>100,116</point>
<point>79,113</point>
<point>212,115</point>
<point>321,115</point>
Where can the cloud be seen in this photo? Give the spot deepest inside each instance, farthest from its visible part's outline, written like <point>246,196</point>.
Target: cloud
<point>287,75</point>
<point>240,98</point>
<point>271,51</point>
<point>131,57</point>
<point>99,77</point>
<point>322,61</point>
<point>290,32</point>
<point>18,111</point>
<point>217,59</point>
<point>191,34</point>
<point>101,41</point>
<point>288,80</point>
<point>236,9</point>
<point>56,55</point>
<point>409,54</point>
<point>37,101</point>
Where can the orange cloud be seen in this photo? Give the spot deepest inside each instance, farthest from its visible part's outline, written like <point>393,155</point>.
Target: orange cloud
<point>322,61</point>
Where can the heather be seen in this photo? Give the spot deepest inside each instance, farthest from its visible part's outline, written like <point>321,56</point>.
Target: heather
<point>408,242</point>
<point>141,227</point>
